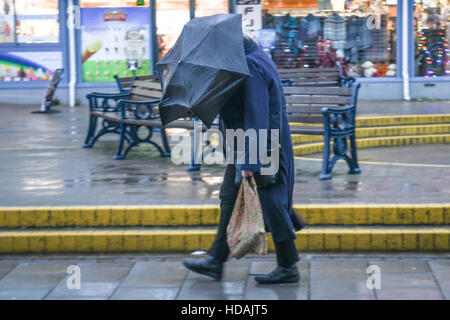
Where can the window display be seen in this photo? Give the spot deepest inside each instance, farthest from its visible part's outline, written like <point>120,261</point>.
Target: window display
<point>432,31</point>
<point>37,21</point>
<point>210,7</point>
<point>7,29</point>
<point>311,34</point>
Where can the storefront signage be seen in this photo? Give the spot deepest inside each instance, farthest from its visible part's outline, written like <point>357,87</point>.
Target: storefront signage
<point>115,41</point>
<point>251,11</point>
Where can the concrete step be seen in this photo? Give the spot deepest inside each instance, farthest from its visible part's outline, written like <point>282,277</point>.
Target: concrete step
<point>208,215</point>
<point>311,148</point>
<point>397,120</point>
<point>387,131</point>
<point>333,239</point>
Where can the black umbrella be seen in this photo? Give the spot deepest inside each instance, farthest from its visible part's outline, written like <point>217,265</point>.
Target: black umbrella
<point>203,69</point>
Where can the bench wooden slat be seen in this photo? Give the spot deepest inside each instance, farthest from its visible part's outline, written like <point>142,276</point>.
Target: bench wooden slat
<point>111,116</point>
<point>307,130</point>
<point>317,84</point>
<point>317,91</point>
<point>307,70</point>
<point>305,118</point>
<point>149,77</point>
<point>146,93</point>
<point>126,79</point>
<point>309,75</point>
<point>317,100</point>
<point>304,109</point>
<point>147,84</point>
<point>314,80</point>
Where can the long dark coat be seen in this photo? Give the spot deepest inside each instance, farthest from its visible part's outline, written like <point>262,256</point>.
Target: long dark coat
<point>256,105</point>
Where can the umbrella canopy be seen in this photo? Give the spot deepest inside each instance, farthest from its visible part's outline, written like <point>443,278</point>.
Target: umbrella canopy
<point>203,69</point>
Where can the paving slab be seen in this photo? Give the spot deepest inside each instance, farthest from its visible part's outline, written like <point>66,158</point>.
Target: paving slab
<point>5,268</point>
<point>441,271</point>
<point>145,294</point>
<point>409,294</point>
<point>340,280</point>
<point>34,276</point>
<point>401,266</point>
<point>21,294</point>
<point>205,289</point>
<point>155,274</point>
<point>88,289</point>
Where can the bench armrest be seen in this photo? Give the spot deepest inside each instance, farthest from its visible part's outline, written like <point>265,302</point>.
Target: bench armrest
<point>339,122</point>
<point>107,95</point>
<point>105,102</point>
<point>347,82</point>
<point>344,109</point>
<point>286,82</point>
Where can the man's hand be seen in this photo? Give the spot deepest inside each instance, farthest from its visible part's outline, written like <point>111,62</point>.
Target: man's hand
<point>247,173</point>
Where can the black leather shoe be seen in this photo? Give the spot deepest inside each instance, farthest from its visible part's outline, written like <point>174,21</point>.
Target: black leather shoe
<point>208,266</point>
<point>280,275</point>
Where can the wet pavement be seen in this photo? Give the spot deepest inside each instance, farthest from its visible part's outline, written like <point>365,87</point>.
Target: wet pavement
<point>42,163</point>
<point>151,277</point>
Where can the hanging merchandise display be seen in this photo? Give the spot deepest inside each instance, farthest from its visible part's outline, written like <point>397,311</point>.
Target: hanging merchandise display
<point>361,35</point>
<point>115,41</point>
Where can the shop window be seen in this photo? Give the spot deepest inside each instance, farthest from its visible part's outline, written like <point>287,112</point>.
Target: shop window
<point>115,39</point>
<point>311,34</point>
<point>171,16</point>
<point>432,31</point>
<point>37,21</point>
<point>210,7</point>
<point>7,28</point>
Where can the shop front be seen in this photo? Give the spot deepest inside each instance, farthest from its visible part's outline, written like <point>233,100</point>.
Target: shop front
<point>399,48</point>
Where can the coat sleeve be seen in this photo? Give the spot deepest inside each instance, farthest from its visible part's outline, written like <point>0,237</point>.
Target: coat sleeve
<point>256,117</point>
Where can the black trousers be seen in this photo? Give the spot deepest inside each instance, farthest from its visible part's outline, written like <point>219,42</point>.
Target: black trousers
<point>287,253</point>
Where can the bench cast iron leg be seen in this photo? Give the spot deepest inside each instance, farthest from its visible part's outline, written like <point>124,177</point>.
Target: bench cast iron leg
<point>326,172</point>
<point>119,155</point>
<point>354,167</point>
<point>166,147</point>
<point>91,132</point>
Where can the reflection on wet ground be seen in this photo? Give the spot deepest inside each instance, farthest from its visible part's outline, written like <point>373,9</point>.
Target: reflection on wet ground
<point>42,163</point>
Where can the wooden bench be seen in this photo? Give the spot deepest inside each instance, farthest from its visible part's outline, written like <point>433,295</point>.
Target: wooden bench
<point>335,108</point>
<point>124,84</point>
<point>114,110</point>
<point>315,77</point>
<point>132,114</point>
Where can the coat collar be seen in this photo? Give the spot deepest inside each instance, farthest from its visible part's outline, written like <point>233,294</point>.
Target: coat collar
<point>250,47</point>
